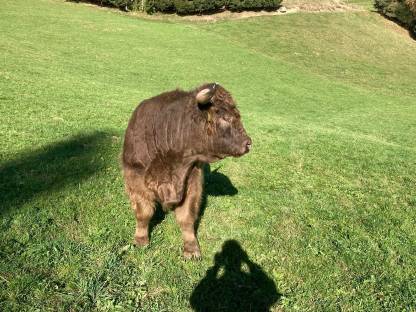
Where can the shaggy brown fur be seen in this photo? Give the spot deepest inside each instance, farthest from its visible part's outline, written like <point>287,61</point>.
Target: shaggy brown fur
<point>167,140</point>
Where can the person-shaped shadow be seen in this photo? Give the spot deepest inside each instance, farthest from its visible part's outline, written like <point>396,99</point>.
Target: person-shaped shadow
<point>234,283</point>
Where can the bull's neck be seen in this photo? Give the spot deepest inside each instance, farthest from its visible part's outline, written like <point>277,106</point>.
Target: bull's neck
<point>185,135</point>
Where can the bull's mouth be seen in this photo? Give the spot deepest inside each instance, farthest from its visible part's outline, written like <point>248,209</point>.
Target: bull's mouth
<point>247,148</point>
<point>244,150</point>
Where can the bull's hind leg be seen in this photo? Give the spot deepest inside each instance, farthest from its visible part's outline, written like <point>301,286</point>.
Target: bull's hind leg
<point>142,203</point>
<point>187,214</point>
<point>143,211</point>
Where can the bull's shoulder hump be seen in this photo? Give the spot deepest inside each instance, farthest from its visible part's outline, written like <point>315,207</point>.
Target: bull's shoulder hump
<point>167,97</point>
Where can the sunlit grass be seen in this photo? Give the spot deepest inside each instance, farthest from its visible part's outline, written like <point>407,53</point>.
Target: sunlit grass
<point>325,202</point>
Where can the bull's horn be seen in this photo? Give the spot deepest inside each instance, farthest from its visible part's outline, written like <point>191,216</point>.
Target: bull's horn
<point>204,96</point>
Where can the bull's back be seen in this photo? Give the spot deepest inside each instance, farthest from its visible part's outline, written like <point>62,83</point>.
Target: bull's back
<point>134,138</point>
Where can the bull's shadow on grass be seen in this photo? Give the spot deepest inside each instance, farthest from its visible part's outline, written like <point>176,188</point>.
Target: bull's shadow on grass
<point>215,184</point>
<point>157,218</point>
<point>50,168</point>
<point>234,283</point>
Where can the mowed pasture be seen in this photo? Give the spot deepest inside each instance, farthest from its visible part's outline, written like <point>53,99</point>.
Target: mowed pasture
<point>321,214</point>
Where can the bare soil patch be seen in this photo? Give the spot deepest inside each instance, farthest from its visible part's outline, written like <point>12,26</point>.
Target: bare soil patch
<point>288,7</point>
<point>319,6</point>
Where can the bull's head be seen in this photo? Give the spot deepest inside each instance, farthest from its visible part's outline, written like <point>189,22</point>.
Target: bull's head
<point>227,136</point>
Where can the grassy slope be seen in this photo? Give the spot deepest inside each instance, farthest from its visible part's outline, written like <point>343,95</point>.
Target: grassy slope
<point>326,200</point>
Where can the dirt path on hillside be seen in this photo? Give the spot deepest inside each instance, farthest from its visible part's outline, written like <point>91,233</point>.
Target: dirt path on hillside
<point>320,6</point>
<point>288,7</point>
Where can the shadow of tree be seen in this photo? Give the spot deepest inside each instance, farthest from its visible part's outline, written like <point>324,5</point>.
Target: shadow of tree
<point>50,168</point>
<point>100,3</point>
<point>411,29</point>
<point>234,283</point>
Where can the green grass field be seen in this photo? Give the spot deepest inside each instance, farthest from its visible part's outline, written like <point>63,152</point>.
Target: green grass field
<point>324,207</point>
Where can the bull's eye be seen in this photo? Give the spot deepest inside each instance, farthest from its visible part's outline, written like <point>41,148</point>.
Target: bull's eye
<point>224,123</point>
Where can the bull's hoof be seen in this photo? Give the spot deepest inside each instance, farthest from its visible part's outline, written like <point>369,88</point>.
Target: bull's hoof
<point>192,255</point>
<point>141,241</point>
<point>191,251</point>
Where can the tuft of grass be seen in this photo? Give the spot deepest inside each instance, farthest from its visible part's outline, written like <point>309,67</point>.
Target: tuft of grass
<point>322,210</point>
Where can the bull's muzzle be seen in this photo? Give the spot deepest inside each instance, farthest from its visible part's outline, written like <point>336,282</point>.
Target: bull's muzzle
<point>247,143</point>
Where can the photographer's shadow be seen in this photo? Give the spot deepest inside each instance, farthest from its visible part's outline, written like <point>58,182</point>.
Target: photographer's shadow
<point>234,283</point>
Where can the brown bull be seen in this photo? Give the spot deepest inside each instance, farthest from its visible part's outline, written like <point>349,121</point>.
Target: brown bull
<point>167,141</point>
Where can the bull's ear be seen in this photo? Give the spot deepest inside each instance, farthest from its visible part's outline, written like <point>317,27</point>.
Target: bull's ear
<point>204,96</point>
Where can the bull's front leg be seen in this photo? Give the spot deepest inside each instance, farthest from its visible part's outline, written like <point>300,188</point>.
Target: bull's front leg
<point>187,214</point>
